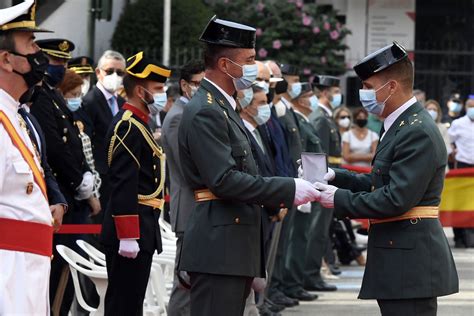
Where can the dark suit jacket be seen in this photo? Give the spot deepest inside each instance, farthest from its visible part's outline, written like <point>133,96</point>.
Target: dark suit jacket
<point>97,107</point>
<point>182,196</point>
<point>327,131</point>
<point>224,236</point>
<point>54,194</point>
<point>277,137</point>
<point>293,137</point>
<point>404,260</point>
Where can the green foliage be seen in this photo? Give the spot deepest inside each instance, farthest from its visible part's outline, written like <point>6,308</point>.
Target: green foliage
<point>140,27</point>
<point>290,31</point>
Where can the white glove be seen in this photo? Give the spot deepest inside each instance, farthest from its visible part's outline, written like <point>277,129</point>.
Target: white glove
<point>327,194</point>
<point>305,192</point>
<point>305,208</point>
<point>128,248</point>
<point>300,169</point>
<point>330,175</point>
<point>84,190</point>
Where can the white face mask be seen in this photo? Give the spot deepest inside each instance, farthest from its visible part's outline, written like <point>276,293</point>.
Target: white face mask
<point>345,122</point>
<point>194,89</point>
<point>112,82</point>
<point>434,114</point>
<point>85,87</point>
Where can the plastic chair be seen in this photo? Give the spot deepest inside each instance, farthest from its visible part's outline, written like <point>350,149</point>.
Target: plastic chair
<point>97,274</point>
<point>166,231</point>
<point>93,253</point>
<point>156,291</point>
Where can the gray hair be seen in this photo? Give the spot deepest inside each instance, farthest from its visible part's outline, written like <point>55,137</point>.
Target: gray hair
<point>109,54</point>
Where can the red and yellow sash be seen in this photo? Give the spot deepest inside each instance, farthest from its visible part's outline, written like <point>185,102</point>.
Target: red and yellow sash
<point>25,152</point>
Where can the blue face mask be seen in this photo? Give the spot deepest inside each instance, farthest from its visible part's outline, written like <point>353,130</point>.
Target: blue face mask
<point>470,113</point>
<point>56,74</point>
<point>368,98</point>
<point>336,100</point>
<point>263,114</point>
<point>264,85</point>
<point>313,102</point>
<point>248,96</point>
<point>159,103</point>
<point>295,90</point>
<point>455,107</point>
<point>73,104</point>
<point>249,74</point>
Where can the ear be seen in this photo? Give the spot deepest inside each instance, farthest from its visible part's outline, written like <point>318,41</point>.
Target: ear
<point>222,64</point>
<point>97,72</point>
<point>182,84</point>
<point>5,62</point>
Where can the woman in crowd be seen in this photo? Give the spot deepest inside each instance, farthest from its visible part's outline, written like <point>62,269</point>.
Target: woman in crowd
<point>434,109</point>
<point>343,119</point>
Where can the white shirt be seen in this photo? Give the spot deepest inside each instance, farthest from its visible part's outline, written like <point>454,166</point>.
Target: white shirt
<point>304,116</point>
<point>230,99</point>
<point>184,99</point>
<point>462,134</point>
<point>286,103</point>
<point>360,146</point>
<point>108,96</point>
<point>325,108</point>
<point>255,133</point>
<point>16,175</point>
<point>388,122</point>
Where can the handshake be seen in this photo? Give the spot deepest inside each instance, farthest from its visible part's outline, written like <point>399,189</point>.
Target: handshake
<point>306,191</point>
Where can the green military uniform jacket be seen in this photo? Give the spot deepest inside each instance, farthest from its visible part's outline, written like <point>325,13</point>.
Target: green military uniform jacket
<point>224,236</point>
<point>328,133</point>
<point>310,141</point>
<point>405,259</point>
<point>289,122</point>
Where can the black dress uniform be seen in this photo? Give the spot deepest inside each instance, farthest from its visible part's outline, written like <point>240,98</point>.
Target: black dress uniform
<point>223,246</point>
<point>409,262</point>
<point>136,173</point>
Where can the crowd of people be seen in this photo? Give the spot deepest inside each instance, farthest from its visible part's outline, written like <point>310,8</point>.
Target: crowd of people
<point>102,164</point>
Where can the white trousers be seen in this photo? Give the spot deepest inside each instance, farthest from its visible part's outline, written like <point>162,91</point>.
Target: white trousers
<point>24,283</point>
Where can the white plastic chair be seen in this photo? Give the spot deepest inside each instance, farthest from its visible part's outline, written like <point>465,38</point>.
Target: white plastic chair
<point>97,274</point>
<point>166,231</point>
<point>156,290</point>
<point>93,253</point>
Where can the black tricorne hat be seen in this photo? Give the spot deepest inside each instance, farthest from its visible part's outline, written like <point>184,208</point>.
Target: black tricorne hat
<point>141,67</point>
<point>289,70</point>
<point>20,17</point>
<point>326,81</point>
<point>228,33</point>
<point>81,65</point>
<point>56,47</point>
<point>380,60</point>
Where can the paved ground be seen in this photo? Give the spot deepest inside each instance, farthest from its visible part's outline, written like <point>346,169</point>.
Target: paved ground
<point>344,301</point>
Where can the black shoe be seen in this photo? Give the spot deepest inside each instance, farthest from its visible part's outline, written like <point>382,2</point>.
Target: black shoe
<point>272,306</point>
<point>302,295</point>
<point>334,269</point>
<point>282,299</point>
<point>320,286</point>
<point>263,310</point>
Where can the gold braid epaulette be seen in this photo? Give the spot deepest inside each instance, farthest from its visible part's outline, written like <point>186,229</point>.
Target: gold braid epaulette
<point>157,151</point>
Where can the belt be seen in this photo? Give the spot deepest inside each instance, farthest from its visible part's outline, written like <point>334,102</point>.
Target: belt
<point>414,214</point>
<point>335,160</point>
<point>204,195</point>
<point>155,203</point>
<point>26,236</point>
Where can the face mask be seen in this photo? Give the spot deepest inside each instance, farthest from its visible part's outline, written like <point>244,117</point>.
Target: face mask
<point>295,90</point>
<point>336,100</point>
<point>345,122</point>
<point>247,98</point>
<point>434,114</point>
<point>159,103</point>
<point>112,82</point>
<point>194,89</point>
<point>270,94</point>
<point>361,122</point>
<point>455,107</point>
<point>264,85</point>
<point>85,87</point>
<point>56,74</point>
<point>313,102</point>
<point>281,86</point>
<point>470,113</point>
<point>263,114</point>
<point>249,74</point>
<point>38,63</point>
<point>368,98</point>
<point>73,104</point>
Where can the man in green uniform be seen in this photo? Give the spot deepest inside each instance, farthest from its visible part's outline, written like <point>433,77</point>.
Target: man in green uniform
<point>409,262</point>
<point>222,246</point>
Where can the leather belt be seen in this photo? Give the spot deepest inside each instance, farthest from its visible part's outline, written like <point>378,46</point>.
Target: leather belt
<point>414,214</point>
<point>155,203</point>
<point>26,236</point>
<point>204,195</point>
<point>335,160</point>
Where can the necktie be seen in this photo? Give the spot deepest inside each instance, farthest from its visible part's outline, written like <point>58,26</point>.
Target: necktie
<point>113,105</point>
<point>258,138</point>
<point>382,131</point>
<point>29,127</point>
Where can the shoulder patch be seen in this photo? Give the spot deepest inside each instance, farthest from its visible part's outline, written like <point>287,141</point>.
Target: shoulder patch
<point>209,98</point>
<point>414,119</point>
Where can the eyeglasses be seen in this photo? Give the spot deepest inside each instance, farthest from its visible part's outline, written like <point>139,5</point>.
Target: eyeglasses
<point>110,71</point>
<point>344,117</point>
<point>194,82</point>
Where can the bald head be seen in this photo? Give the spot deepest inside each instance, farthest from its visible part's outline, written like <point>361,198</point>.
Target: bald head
<point>274,69</point>
<point>263,72</point>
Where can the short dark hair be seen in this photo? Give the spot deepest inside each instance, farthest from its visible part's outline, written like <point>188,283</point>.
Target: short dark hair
<point>193,67</point>
<point>130,82</point>
<point>7,42</point>
<point>359,110</point>
<point>212,53</point>
<point>70,81</point>
<point>402,72</point>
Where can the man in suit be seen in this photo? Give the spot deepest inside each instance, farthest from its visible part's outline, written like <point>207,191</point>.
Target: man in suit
<point>222,246</point>
<point>130,232</point>
<point>182,197</point>
<point>102,103</point>
<point>409,262</point>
